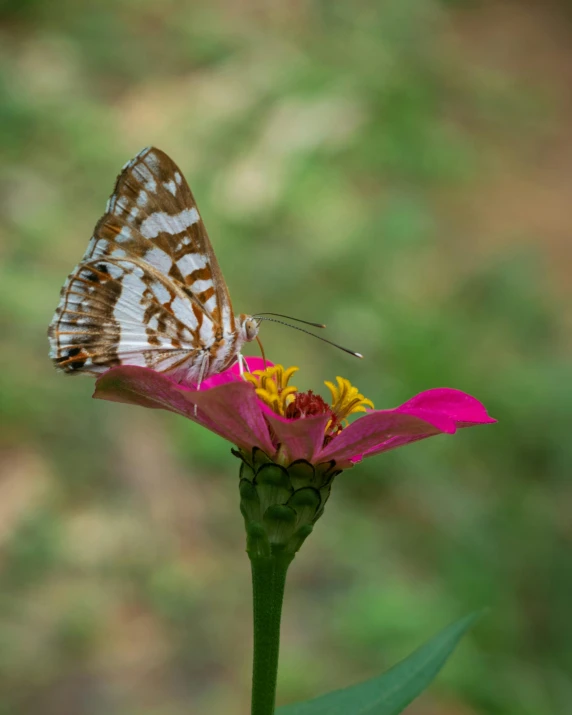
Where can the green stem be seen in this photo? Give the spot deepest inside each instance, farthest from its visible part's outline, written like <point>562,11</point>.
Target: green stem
<point>268,581</point>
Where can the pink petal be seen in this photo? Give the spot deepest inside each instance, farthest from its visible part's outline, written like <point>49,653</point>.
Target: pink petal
<point>235,411</point>
<point>371,431</point>
<point>233,372</point>
<point>453,405</point>
<point>299,439</point>
<point>427,414</point>
<point>142,386</point>
<point>231,410</point>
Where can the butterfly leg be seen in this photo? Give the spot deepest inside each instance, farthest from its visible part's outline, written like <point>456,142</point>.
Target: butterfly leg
<point>202,373</point>
<point>242,364</point>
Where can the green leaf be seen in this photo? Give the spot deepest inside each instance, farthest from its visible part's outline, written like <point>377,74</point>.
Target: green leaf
<point>390,693</point>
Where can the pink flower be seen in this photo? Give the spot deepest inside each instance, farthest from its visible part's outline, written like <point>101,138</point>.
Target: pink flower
<point>263,411</point>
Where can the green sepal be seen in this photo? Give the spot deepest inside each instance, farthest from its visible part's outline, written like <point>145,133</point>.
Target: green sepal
<point>249,501</point>
<point>273,485</point>
<point>305,502</point>
<point>325,473</point>
<point>280,523</point>
<point>246,472</point>
<point>237,453</point>
<point>324,495</point>
<point>259,458</point>
<point>298,538</point>
<point>286,501</point>
<point>302,474</point>
<point>257,543</point>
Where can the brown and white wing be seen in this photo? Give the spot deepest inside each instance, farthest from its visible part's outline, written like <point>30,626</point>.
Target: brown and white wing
<point>149,290</point>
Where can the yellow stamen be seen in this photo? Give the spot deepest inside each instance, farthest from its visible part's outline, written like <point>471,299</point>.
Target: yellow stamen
<point>272,387</point>
<point>346,399</point>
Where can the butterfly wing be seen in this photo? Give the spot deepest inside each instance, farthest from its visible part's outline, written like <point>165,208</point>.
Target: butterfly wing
<point>149,290</point>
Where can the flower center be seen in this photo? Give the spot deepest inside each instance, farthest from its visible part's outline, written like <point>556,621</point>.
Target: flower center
<point>306,404</point>
<point>272,388</point>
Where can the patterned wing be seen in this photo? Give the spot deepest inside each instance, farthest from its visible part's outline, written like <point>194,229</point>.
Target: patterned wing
<point>149,290</point>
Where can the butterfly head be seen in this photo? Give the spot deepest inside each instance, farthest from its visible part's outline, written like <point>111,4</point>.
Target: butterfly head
<point>248,328</point>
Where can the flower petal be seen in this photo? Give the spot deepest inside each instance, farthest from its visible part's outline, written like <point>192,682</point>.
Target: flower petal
<point>233,372</point>
<point>142,386</point>
<point>299,439</point>
<point>454,406</point>
<point>236,414</point>
<point>427,414</point>
<point>371,432</point>
<point>231,410</point>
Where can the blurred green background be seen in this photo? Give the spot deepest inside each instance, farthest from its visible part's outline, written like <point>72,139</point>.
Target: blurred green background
<point>400,170</point>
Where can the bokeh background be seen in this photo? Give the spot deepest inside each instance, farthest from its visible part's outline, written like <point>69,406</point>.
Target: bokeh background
<point>402,171</point>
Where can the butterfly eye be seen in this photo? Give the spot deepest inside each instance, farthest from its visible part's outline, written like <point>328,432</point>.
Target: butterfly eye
<point>250,329</point>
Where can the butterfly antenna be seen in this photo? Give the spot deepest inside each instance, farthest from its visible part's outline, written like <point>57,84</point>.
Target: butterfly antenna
<point>295,327</point>
<point>289,317</point>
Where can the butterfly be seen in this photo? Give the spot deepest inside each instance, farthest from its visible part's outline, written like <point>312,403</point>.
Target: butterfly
<point>149,290</point>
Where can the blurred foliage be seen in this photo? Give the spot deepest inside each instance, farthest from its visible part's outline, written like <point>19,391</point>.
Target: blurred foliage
<point>357,163</point>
